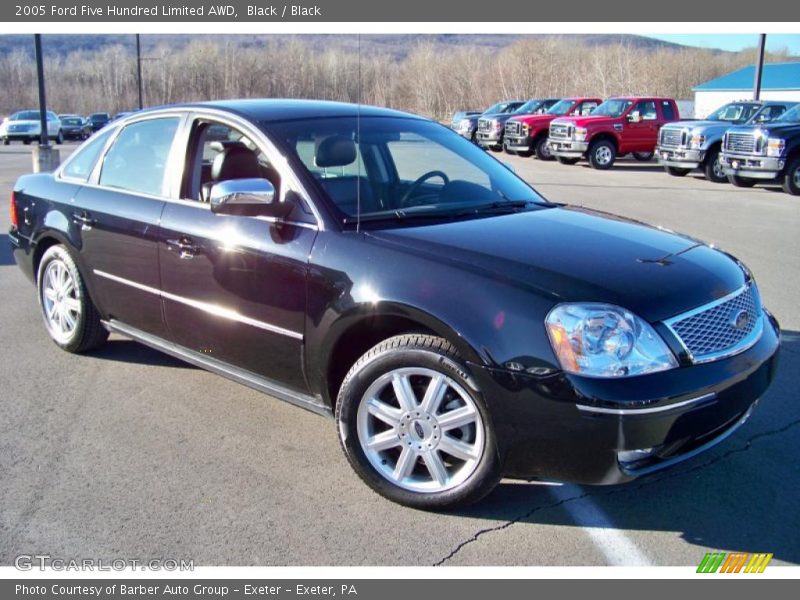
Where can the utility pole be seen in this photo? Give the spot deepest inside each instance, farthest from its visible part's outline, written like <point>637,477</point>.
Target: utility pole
<point>762,44</point>
<point>139,70</point>
<point>45,157</point>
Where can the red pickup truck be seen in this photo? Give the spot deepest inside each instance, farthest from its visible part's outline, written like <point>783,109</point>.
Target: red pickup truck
<point>527,134</point>
<point>623,125</point>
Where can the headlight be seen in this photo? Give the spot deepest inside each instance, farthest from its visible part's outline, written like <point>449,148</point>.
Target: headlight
<point>775,146</point>
<point>697,141</point>
<point>525,128</point>
<point>602,340</point>
<point>495,124</point>
<point>580,133</point>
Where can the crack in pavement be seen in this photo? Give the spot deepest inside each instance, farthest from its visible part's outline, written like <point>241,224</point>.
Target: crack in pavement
<point>622,489</point>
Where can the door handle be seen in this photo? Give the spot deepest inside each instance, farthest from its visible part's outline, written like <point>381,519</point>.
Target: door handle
<point>83,219</point>
<point>184,246</point>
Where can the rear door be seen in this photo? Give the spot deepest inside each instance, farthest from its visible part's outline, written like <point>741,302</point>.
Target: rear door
<point>118,213</point>
<point>234,287</point>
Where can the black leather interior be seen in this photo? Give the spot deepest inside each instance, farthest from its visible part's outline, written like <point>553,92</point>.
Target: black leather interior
<point>334,151</point>
<point>234,162</point>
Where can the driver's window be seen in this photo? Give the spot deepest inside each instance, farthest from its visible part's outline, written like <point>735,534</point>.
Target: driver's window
<point>586,108</point>
<point>137,160</point>
<point>647,110</point>
<point>413,158</point>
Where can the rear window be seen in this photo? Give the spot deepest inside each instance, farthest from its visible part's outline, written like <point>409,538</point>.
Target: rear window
<point>668,111</point>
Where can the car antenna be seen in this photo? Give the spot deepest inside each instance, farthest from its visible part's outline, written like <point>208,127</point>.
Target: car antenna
<point>358,136</point>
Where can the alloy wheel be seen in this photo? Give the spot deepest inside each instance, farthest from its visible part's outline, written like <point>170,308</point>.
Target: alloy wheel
<point>420,430</point>
<point>603,155</point>
<point>61,301</point>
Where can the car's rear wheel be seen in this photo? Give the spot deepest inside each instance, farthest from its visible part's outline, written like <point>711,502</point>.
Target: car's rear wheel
<point>60,137</point>
<point>542,149</point>
<point>677,172</point>
<point>713,167</point>
<point>566,160</point>
<point>70,317</point>
<point>414,427</point>
<point>602,155</point>
<point>742,182</point>
<point>643,156</point>
<point>791,181</point>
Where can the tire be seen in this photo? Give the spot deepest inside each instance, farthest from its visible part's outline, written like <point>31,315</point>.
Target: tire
<point>542,149</point>
<point>712,167</point>
<point>602,155</point>
<point>524,153</point>
<point>742,182</point>
<point>677,172</point>
<point>791,180</point>
<point>643,156</point>
<point>417,361</point>
<point>565,160</point>
<point>26,142</point>
<point>63,298</point>
<point>60,138</point>
<point>6,142</point>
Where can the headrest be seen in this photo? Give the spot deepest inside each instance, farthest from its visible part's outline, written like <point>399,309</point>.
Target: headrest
<point>335,151</point>
<point>235,162</point>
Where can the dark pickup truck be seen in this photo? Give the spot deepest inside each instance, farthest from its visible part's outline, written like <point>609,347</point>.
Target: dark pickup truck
<point>491,126</point>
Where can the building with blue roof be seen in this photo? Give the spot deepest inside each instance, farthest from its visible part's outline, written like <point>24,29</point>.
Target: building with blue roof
<point>779,81</point>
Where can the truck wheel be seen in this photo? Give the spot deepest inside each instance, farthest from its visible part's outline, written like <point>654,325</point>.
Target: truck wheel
<point>565,160</point>
<point>414,425</point>
<point>60,137</point>
<point>69,314</point>
<point>524,153</point>
<point>791,181</point>
<point>26,142</point>
<point>643,156</point>
<point>542,149</point>
<point>742,182</point>
<point>602,155</point>
<point>6,142</point>
<point>676,172</point>
<point>713,167</point>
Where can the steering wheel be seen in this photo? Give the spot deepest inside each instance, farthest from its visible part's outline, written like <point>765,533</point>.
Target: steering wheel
<point>420,180</point>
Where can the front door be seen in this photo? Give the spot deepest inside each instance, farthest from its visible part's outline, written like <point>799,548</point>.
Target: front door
<point>641,136</point>
<point>234,287</point>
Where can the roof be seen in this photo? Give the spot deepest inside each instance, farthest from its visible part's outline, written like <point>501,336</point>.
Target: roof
<point>290,109</point>
<point>775,77</point>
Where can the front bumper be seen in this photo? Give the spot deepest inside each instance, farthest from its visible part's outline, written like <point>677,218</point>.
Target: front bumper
<point>567,148</point>
<point>489,138</point>
<point>590,431</point>
<point>518,143</point>
<point>681,158</point>
<point>21,136</point>
<point>754,166</point>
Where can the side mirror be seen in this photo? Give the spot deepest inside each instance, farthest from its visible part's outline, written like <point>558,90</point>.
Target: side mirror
<point>635,117</point>
<point>247,198</point>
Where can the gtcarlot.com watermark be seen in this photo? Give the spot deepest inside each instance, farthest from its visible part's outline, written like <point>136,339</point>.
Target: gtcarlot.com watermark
<point>42,562</point>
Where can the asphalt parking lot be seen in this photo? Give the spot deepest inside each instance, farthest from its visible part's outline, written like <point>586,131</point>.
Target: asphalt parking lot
<point>128,453</point>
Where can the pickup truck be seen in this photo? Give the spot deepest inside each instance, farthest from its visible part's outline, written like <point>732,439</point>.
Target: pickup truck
<point>619,126</point>
<point>768,153</point>
<point>527,134</point>
<point>689,144</point>
<point>467,124</point>
<point>490,126</point>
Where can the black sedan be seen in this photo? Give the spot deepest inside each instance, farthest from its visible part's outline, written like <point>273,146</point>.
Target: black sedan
<point>376,267</point>
<point>75,127</point>
<point>99,120</point>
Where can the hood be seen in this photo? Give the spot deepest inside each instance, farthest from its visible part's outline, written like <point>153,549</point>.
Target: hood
<point>588,120</point>
<point>25,123</point>
<point>699,125</point>
<point>497,116</point>
<point>774,129</point>
<point>540,118</point>
<point>573,254</point>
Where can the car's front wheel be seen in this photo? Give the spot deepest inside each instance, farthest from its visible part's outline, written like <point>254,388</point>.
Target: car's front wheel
<point>602,155</point>
<point>414,426</point>
<point>543,149</point>
<point>643,156</point>
<point>791,181</point>
<point>742,182</point>
<point>678,172</point>
<point>566,160</point>
<point>69,314</point>
<point>713,168</point>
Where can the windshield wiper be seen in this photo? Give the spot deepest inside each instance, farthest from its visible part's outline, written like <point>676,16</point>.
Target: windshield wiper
<point>499,207</point>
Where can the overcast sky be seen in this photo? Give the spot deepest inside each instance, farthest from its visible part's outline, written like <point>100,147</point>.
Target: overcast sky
<point>737,41</point>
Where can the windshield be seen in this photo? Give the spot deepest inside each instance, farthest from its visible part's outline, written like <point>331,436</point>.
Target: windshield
<point>72,121</point>
<point>99,117</point>
<point>736,112</point>
<point>25,115</point>
<point>501,107</point>
<point>399,168</point>
<point>613,108</point>
<point>561,107</point>
<point>530,107</point>
<point>790,116</point>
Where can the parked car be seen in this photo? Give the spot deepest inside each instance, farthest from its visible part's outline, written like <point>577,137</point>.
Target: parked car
<point>75,127</point>
<point>458,326</point>
<point>465,122</point>
<point>121,115</point>
<point>491,126</point>
<point>527,134</point>
<point>766,153</point>
<point>468,126</point>
<point>25,126</point>
<point>619,126</point>
<point>690,144</point>
<point>99,120</point>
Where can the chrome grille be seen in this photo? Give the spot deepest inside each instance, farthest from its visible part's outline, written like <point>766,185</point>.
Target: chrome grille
<point>712,331</point>
<point>740,142</point>
<point>484,124</point>
<point>513,128</point>
<point>672,138</point>
<point>561,131</point>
